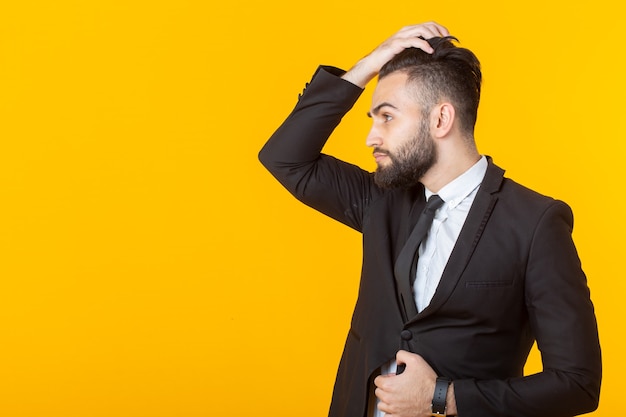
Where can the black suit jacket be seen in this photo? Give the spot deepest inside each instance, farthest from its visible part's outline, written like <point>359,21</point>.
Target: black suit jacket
<point>513,277</point>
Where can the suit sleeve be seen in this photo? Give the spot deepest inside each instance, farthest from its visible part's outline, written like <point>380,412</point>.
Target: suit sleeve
<point>562,318</point>
<point>293,153</point>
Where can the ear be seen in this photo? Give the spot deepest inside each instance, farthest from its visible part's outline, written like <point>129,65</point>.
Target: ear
<point>442,120</point>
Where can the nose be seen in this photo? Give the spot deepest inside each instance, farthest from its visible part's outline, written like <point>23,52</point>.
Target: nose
<point>373,138</point>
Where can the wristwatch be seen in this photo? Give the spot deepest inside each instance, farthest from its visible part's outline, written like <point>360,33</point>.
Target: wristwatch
<point>438,406</point>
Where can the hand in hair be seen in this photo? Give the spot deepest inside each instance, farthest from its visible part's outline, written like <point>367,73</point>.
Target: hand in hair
<point>408,37</point>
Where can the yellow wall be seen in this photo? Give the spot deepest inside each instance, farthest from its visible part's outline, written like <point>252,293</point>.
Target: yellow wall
<point>149,267</point>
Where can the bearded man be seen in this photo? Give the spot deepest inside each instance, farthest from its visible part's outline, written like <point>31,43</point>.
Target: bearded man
<point>463,269</point>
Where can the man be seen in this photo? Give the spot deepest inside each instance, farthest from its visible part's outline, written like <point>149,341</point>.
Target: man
<point>443,324</point>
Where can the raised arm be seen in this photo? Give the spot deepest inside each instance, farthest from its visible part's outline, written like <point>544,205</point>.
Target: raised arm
<point>413,36</point>
<point>293,153</point>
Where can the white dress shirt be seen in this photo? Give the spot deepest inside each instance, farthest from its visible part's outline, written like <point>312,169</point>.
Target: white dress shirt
<point>435,249</point>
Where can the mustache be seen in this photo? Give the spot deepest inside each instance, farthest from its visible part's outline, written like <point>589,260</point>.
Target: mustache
<point>381,151</point>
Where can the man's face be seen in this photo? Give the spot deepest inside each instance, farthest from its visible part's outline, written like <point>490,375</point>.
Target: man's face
<point>403,147</point>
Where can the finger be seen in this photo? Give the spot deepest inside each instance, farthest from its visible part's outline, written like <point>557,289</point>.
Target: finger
<point>427,30</point>
<point>383,400</point>
<point>402,354</point>
<point>436,29</point>
<point>384,407</point>
<point>400,44</point>
<point>380,380</point>
<point>380,394</point>
<point>404,357</point>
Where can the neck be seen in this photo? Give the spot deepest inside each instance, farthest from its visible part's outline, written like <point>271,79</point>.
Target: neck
<point>451,163</point>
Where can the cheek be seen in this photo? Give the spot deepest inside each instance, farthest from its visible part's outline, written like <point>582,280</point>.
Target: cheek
<point>397,138</point>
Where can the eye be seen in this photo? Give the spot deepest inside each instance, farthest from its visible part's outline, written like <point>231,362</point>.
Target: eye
<point>387,117</point>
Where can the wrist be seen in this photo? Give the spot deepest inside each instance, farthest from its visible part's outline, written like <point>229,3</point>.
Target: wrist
<point>360,74</point>
<point>451,401</point>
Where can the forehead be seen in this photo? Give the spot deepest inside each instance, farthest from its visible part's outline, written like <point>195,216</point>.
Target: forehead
<point>393,89</point>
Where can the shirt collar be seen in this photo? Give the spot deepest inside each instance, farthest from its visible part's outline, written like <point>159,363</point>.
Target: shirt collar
<point>455,191</point>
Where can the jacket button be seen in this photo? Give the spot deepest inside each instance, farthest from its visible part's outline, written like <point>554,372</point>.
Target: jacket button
<point>406,335</point>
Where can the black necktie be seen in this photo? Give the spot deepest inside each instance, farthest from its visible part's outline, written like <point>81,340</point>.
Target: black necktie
<point>407,260</point>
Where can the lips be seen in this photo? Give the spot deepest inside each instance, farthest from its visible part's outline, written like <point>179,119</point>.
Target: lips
<point>379,155</point>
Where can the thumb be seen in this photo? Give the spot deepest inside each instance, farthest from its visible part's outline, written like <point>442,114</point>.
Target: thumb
<point>403,356</point>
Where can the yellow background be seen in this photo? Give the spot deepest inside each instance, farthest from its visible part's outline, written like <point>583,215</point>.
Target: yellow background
<point>149,267</point>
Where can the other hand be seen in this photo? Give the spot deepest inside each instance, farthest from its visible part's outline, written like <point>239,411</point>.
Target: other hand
<point>413,36</point>
<point>409,394</point>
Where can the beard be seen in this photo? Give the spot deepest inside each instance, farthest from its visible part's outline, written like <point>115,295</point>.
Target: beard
<point>410,162</point>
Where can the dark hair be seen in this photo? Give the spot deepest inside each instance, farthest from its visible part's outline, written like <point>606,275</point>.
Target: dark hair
<point>450,73</point>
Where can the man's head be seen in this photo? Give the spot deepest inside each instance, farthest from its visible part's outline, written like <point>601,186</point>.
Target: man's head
<point>420,97</point>
<point>449,74</point>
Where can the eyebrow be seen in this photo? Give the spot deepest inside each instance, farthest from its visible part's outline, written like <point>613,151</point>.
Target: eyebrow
<point>377,109</point>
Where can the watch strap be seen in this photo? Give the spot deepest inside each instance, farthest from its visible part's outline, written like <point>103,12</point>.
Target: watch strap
<point>438,406</point>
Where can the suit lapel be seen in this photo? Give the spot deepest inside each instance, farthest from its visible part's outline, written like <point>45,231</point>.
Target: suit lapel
<point>471,232</point>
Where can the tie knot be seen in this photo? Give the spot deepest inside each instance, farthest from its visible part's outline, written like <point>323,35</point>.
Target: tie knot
<point>434,202</point>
